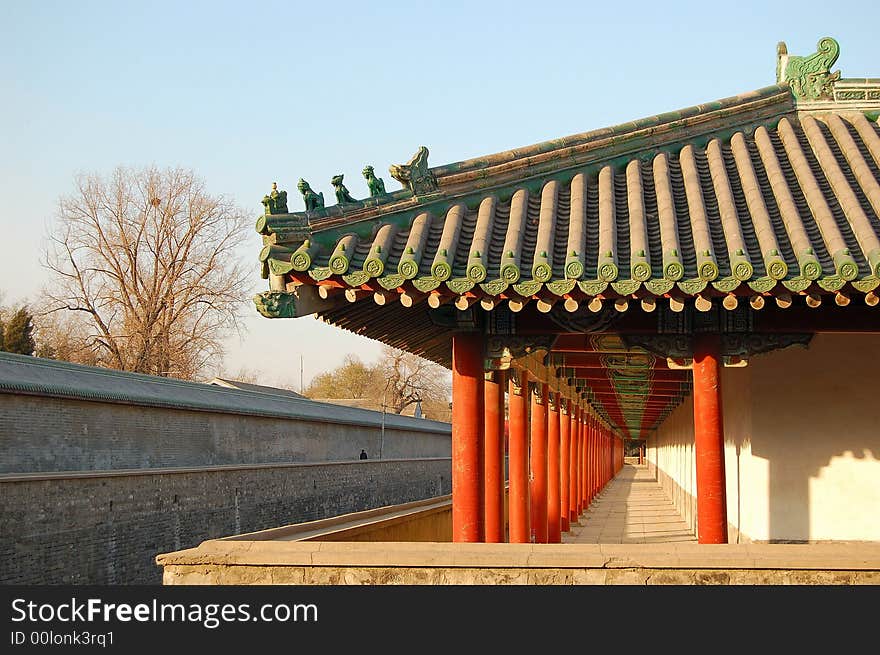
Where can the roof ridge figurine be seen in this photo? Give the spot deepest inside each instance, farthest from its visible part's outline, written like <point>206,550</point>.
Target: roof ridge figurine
<point>415,174</point>
<point>313,200</point>
<point>375,184</point>
<point>343,197</point>
<point>809,77</point>
<point>276,201</point>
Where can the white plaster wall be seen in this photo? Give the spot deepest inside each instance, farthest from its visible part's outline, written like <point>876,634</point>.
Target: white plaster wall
<point>802,444</point>
<point>816,425</point>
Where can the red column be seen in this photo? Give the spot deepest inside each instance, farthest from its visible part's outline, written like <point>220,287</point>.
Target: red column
<point>538,458</point>
<point>604,462</point>
<point>494,457</point>
<point>518,459</point>
<point>467,437</point>
<point>709,442</point>
<point>554,518</point>
<point>591,447</point>
<point>580,461</point>
<point>585,430</point>
<point>573,464</point>
<point>565,464</point>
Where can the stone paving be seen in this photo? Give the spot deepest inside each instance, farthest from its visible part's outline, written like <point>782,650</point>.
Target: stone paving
<point>632,509</point>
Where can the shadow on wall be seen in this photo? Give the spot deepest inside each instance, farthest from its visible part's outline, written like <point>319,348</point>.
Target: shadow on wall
<point>814,419</point>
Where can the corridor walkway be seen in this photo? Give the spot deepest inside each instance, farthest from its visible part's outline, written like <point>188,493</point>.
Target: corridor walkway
<point>632,509</point>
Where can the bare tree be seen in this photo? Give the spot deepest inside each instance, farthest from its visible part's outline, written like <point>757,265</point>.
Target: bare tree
<point>148,256</point>
<point>397,380</point>
<point>411,379</point>
<point>65,336</point>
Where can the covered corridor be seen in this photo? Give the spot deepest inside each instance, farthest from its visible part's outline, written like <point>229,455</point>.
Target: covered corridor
<point>632,509</point>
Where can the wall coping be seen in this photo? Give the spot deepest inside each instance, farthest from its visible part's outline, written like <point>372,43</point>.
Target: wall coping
<point>33,376</point>
<point>351,523</point>
<point>858,556</point>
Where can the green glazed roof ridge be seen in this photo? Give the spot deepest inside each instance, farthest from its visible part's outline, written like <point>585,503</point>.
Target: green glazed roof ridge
<point>404,202</point>
<point>167,392</point>
<point>781,92</point>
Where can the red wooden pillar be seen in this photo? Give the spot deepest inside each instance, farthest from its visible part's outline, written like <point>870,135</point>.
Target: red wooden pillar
<point>518,459</point>
<point>605,440</point>
<point>565,464</point>
<point>591,474</point>
<point>591,459</point>
<point>554,518</point>
<point>467,437</point>
<point>603,461</point>
<point>494,457</point>
<point>580,461</point>
<point>585,429</point>
<point>538,459</point>
<point>709,441</point>
<point>573,464</point>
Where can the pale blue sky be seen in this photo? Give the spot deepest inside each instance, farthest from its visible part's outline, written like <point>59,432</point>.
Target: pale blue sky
<point>250,93</point>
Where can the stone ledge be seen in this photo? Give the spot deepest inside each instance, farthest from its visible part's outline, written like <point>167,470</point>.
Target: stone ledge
<point>495,557</point>
<point>354,575</point>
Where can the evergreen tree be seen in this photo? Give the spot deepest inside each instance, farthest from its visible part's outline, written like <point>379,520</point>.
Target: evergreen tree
<point>18,334</point>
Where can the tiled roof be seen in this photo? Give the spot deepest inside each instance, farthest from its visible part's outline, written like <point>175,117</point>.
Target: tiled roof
<point>695,216</point>
<point>743,196</point>
<point>249,386</point>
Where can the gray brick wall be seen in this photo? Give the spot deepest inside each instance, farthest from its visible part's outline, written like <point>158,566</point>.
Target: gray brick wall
<point>107,528</point>
<point>101,471</point>
<point>46,434</point>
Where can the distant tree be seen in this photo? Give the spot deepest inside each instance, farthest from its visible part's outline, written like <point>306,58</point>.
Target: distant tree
<point>396,381</point>
<point>149,257</point>
<point>65,336</point>
<point>18,333</point>
<point>243,374</point>
<point>351,379</point>
<point>409,379</point>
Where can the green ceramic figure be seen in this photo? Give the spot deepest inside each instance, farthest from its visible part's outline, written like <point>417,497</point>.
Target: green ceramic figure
<point>343,197</point>
<point>375,184</point>
<point>276,304</point>
<point>313,200</point>
<point>810,77</point>
<point>415,174</point>
<point>276,201</point>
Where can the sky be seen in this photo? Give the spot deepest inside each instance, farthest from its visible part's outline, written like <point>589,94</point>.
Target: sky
<point>246,94</point>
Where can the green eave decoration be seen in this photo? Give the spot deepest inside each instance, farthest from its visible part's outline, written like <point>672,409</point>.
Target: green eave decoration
<point>276,304</point>
<point>867,284</point>
<point>426,284</point>
<point>810,77</point>
<point>285,228</point>
<point>726,284</point>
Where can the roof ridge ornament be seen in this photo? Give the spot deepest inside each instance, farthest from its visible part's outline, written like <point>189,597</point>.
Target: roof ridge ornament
<point>415,174</point>
<point>276,201</point>
<point>809,77</point>
<point>313,200</point>
<point>343,197</point>
<point>376,185</point>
